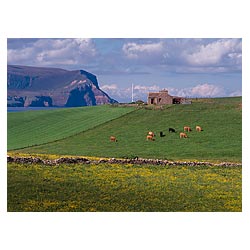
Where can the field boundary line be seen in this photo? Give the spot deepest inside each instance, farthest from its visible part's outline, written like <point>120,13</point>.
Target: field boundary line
<point>135,161</point>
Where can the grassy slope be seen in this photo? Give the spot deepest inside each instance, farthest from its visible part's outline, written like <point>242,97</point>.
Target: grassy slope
<point>123,188</point>
<point>221,139</point>
<point>37,127</point>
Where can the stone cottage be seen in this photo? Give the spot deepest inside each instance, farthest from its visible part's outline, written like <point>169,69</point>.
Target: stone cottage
<point>162,97</point>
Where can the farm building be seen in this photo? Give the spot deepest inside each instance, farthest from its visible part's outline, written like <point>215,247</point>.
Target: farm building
<point>162,97</point>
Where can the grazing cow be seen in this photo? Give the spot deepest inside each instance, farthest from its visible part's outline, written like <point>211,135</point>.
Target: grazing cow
<point>188,129</point>
<point>172,130</point>
<point>198,128</point>
<point>161,134</point>
<point>150,138</point>
<point>183,135</point>
<point>151,133</point>
<point>113,138</point>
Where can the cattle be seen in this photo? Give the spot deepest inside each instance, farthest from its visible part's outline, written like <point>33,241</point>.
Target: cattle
<point>113,138</point>
<point>150,138</point>
<point>172,130</point>
<point>161,134</point>
<point>188,129</point>
<point>198,128</point>
<point>183,135</point>
<point>151,133</point>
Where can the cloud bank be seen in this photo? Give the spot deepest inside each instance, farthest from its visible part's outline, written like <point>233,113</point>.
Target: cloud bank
<point>140,91</point>
<point>146,55</point>
<point>202,55</point>
<point>50,52</point>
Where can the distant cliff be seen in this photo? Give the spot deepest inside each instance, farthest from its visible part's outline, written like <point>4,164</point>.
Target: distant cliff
<point>41,87</point>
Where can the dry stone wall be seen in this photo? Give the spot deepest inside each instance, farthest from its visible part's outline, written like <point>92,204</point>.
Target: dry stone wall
<point>136,161</point>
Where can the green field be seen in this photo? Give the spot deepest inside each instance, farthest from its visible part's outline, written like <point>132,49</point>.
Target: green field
<point>37,127</point>
<point>221,120</point>
<point>113,187</point>
<point>126,188</point>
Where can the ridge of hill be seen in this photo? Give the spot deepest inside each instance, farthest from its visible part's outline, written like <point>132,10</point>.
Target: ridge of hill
<point>40,86</point>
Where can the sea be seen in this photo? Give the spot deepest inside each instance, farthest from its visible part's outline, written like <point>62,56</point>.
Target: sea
<point>22,109</point>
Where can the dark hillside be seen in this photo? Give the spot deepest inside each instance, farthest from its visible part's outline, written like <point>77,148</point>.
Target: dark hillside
<point>32,86</point>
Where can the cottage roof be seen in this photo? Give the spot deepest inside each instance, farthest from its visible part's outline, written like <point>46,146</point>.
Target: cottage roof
<point>161,93</point>
<point>153,94</point>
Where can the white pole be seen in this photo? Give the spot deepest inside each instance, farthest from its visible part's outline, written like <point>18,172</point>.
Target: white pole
<point>132,92</point>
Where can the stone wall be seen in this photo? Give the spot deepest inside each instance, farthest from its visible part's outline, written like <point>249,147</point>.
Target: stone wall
<point>139,161</point>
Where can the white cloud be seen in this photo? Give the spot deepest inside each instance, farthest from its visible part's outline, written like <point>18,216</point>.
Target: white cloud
<point>125,94</point>
<point>236,93</point>
<point>200,90</point>
<point>136,50</point>
<point>213,53</point>
<point>54,52</point>
<point>186,55</point>
<point>118,93</point>
<point>145,89</point>
<point>207,90</point>
<point>109,87</point>
<point>130,56</point>
<point>141,91</point>
<point>20,54</point>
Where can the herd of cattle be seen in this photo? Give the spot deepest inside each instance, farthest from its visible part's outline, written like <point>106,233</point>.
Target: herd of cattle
<point>151,135</point>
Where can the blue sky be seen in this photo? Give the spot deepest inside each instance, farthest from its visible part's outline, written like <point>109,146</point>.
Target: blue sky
<point>186,67</point>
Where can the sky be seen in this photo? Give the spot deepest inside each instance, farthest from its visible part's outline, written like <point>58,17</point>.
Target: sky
<point>187,67</point>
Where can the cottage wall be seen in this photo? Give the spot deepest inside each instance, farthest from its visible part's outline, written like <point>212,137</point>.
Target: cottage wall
<point>160,98</point>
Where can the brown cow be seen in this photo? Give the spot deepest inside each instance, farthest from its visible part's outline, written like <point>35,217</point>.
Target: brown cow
<point>150,138</point>
<point>198,128</point>
<point>151,133</point>
<point>113,138</point>
<point>188,129</point>
<point>183,135</point>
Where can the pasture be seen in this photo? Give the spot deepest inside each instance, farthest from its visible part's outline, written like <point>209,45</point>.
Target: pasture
<point>31,128</point>
<point>220,140</point>
<point>128,187</point>
<point>123,188</point>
